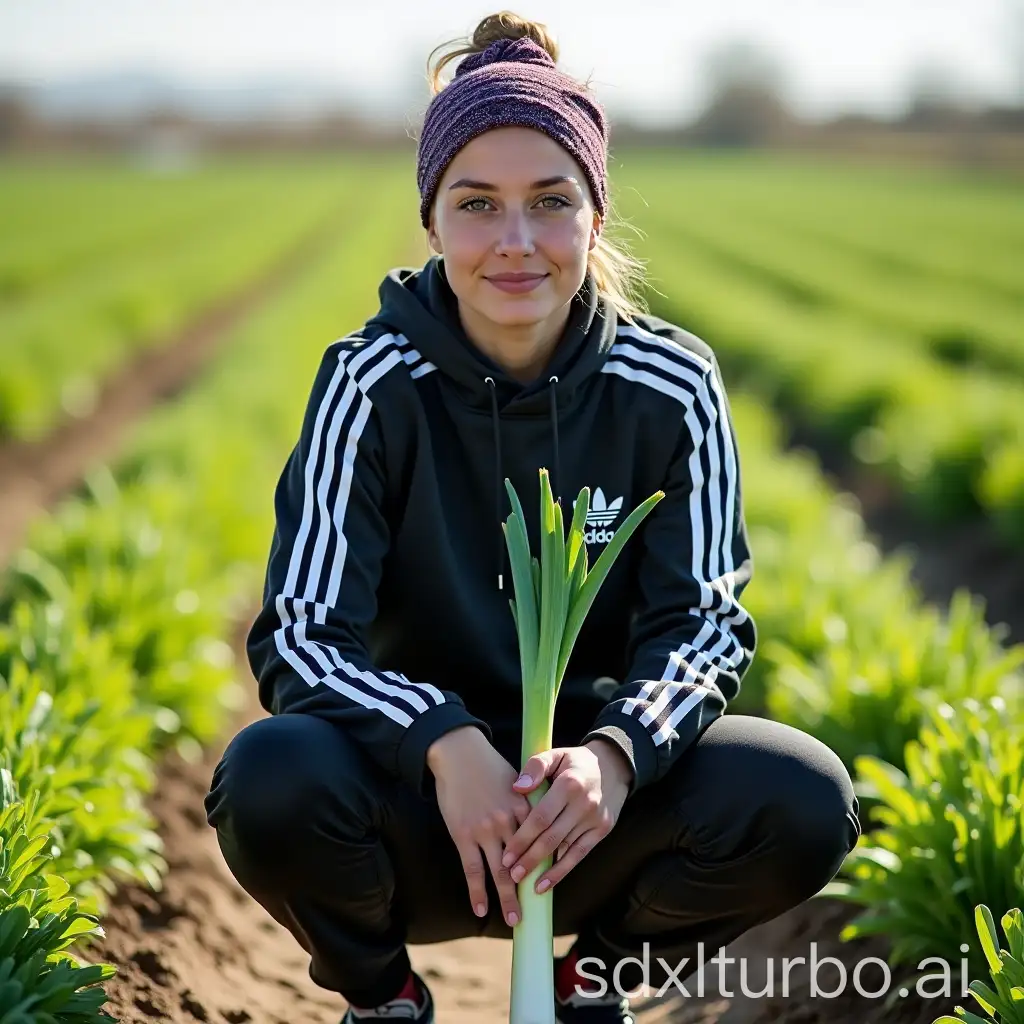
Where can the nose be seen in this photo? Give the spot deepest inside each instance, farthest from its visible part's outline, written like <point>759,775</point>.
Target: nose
<point>516,238</point>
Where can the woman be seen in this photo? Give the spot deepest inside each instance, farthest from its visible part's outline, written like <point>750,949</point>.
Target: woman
<point>379,804</point>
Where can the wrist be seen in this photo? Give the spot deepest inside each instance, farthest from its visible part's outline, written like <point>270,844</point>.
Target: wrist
<point>441,750</point>
<point>612,758</point>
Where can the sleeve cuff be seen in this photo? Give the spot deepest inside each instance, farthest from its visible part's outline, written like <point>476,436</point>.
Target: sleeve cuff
<point>428,727</point>
<point>633,739</point>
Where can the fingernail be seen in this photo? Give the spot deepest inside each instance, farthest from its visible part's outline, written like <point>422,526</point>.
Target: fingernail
<point>543,884</point>
<point>507,859</point>
<point>524,780</point>
<point>480,909</point>
<point>513,918</point>
<point>517,873</point>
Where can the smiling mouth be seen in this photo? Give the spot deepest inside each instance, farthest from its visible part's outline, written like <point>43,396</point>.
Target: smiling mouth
<point>518,284</point>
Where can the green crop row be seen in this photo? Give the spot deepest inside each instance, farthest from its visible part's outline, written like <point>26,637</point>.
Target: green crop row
<point>61,341</point>
<point>952,321</point>
<point>849,649</point>
<point>62,222</point>
<point>117,617</point>
<point>914,222</point>
<point>951,440</point>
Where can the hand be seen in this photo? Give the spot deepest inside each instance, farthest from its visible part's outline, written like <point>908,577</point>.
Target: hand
<point>590,785</point>
<point>481,810</point>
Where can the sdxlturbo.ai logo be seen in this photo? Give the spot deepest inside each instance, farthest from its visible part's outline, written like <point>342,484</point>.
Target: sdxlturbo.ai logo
<point>602,513</point>
<point>942,983</point>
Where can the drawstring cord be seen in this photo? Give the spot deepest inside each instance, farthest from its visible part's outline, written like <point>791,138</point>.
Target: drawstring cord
<point>498,474</point>
<point>495,420</point>
<point>557,478</point>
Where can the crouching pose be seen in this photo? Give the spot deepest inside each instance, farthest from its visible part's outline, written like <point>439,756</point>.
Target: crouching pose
<point>380,802</point>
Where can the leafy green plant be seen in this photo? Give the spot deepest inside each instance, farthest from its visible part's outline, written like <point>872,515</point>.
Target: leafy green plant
<point>123,597</point>
<point>1004,1005</point>
<point>952,833</point>
<point>868,690</point>
<point>74,734</point>
<point>113,548</point>
<point>41,981</point>
<point>553,595</point>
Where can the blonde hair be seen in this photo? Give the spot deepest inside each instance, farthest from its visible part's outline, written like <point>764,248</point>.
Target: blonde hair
<point>619,275</point>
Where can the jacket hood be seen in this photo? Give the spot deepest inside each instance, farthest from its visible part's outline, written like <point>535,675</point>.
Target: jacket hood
<point>419,303</point>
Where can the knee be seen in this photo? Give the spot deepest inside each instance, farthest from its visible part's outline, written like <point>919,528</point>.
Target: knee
<point>816,825</point>
<point>279,781</point>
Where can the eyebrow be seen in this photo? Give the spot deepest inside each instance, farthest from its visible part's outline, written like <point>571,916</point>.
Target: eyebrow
<point>484,186</point>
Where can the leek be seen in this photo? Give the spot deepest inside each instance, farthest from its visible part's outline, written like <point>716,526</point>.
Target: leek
<point>552,598</point>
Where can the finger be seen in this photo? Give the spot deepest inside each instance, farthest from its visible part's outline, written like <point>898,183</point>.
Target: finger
<point>521,808</point>
<point>545,844</point>
<point>537,768</point>
<point>573,855</point>
<point>537,821</point>
<point>476,878</point>
<point>510,909</point>
<point>511,821</point>
<point>571,838</point>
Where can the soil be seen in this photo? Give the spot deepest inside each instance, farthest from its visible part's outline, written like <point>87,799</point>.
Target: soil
<point>35,474</point>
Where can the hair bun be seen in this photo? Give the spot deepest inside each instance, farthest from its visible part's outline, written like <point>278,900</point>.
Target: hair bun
<point>520,51</point>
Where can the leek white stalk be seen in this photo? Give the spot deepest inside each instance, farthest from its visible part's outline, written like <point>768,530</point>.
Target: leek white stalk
<point>552,598</point>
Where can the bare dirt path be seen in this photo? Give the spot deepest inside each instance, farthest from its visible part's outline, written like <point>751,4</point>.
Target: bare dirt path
<point>33,475</point>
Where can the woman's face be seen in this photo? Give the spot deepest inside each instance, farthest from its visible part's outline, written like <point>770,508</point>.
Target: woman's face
<point>492,216</point>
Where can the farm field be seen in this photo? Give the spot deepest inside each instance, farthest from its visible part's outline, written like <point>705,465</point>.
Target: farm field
<point>867,320</point>
<point>95,267</point>
<point>888,355</point>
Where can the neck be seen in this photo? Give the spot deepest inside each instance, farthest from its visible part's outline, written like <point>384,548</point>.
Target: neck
<point>521,350</point>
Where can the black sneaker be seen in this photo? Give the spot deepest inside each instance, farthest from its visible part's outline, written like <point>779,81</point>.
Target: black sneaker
<point>398,1009</point>
<point>610,1008</point>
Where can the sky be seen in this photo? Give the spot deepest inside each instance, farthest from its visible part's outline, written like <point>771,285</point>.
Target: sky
<point>643,57</point>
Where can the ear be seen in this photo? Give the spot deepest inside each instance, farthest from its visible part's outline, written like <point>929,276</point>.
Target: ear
<point>595,232</point>
<point>433,238</point>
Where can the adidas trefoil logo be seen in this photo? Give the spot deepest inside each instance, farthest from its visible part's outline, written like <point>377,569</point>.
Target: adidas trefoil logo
<point>602,513</point>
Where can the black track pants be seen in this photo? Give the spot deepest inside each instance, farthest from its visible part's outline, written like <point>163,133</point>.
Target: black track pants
<point>753,819</point>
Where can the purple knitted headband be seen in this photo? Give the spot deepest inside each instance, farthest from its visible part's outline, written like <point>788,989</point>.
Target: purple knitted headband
<point>512,82</point>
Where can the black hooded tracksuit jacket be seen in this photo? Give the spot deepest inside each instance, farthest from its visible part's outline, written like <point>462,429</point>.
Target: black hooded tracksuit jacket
<point>386,603</point>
